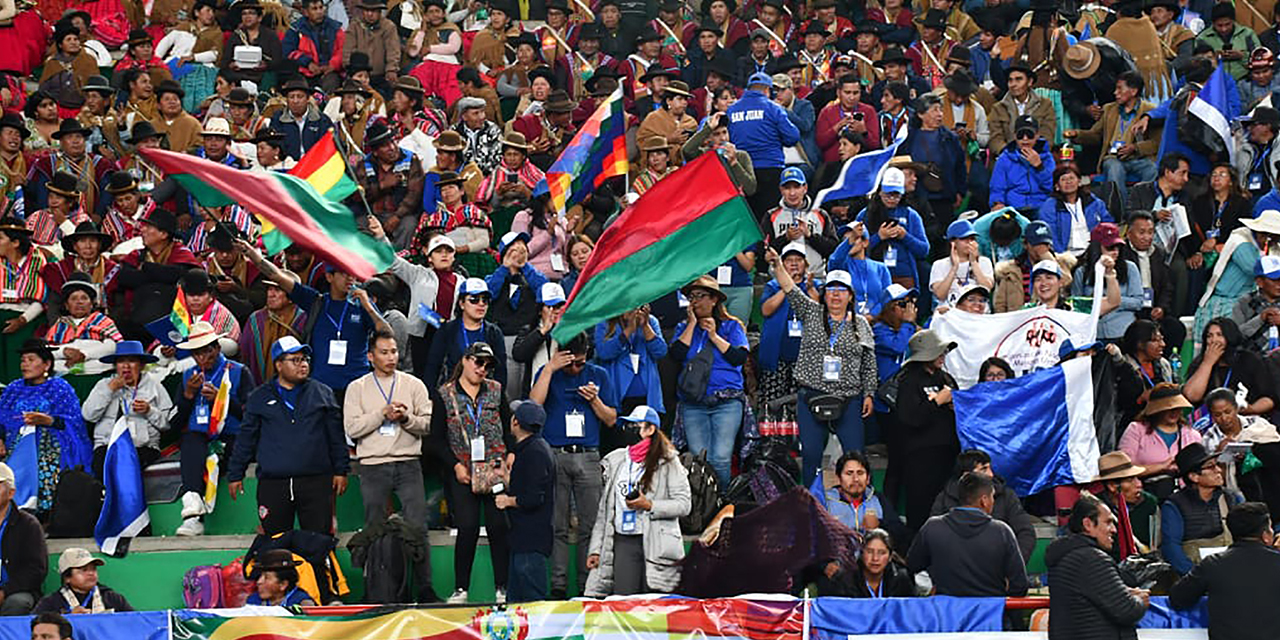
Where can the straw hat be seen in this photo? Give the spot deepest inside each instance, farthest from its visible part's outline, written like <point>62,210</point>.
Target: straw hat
<point>202,334</point>
<point>1117,466</point>
<point>706,283</point>
<point>1164,396</point>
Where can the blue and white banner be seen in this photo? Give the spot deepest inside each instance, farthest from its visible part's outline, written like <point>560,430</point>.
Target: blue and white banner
<point>25,462</point>
<point>861,174</point>
<point>1028,339</point>
<point>124,509</point>
<point>1217,104</point>
<point>1038,428</point>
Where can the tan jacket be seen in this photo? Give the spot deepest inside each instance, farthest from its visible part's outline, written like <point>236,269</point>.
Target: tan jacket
<point>662,123</point>
<point>1009,294</point>
<point>381,42</point>
<point>362,418</point>
<point>1005,113</point>
<point>1107,130</point>
<point>183,132</point>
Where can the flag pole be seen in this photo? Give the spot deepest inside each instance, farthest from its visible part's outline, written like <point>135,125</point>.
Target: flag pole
<point>346,167</point>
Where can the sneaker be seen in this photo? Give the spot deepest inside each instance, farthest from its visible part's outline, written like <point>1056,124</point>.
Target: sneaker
<point>500,595</point>
<point>190,527</point>
<point>459,597</point>
<point>193,505</point>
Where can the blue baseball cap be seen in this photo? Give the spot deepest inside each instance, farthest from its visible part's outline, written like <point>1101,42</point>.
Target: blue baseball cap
<point>510,238</point>
<point>760,78</point>
<point>474,287</point>
<point>1069,347</point>
<point>961,229</point>
<point>1037,232</point>
<point>551,294</point>
<point>287,345</point>
<point>530,415</point>
<point>642,413</point>
<point>1268,267</point>
<point>792,174</point>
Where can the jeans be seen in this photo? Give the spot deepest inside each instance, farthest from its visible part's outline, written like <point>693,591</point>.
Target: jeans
<point>813,435</point>
<point>713,429</point>
<point>578,483</point>
<point>404,479</point>
<point>527,580</point>
<point>1121,172</point>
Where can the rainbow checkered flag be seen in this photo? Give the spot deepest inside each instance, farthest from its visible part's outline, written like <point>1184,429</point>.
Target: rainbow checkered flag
<point>597,152</point>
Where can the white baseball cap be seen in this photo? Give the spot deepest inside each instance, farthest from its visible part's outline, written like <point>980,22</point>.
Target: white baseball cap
<point>474,286</point>
<point>895,292</point>
<point>551,294</point>
<point>794,247</point>
<point>839,277</point>
<point>1047,266</point>
<point>6,475</point>
<point>893,181</point>
<point>441,241</point>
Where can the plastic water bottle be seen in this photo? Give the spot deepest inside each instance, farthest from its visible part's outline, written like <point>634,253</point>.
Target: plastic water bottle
<point>1273,337</point>
<point>1176,361</point>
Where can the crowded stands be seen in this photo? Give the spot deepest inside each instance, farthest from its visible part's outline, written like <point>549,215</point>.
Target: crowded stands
<point>1037,154</point>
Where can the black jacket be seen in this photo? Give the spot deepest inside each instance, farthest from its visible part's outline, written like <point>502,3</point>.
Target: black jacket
<point>307,441</point>
<point>969,553</point>
<point>1008,509</point>
<point>533,485</point>
<point>1090,601</point>
<point>25,556</point>
<point>1243,585</point>
<point>447,349</point>
<point>897,583</point>
<point>1142,197</point>
<point>111,599</point>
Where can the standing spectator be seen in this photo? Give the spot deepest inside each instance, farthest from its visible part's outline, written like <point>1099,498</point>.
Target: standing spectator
<point>530,503</point>
<point>386,413</point>
<point>635,543</point>
<point>926,418</point>
<point>1192,519</point>
<point>796,220</point>
<point>1023,171</point>
<point>22,547</point>
<point>1007,507</point>
<point>1157,280</point>
<point>896,231</point>
<point>293,428</point>
<point>580,400</point>
<point>81,592</point>
<point>535,346</point>
<point>393,185</point>
<point>1241,582</point>
<point>1089,597</point>
<point>375,36</point>
<point>847,112</point>
<point>629,347</point>
<point>514,289</point>
<point>967,552</point>
<point>939,149</point>
<point>760,127</point>
<point>456,336</point>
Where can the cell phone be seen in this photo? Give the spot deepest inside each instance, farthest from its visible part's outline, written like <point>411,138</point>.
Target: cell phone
<point>857,116</point>
<point>635,494</point>
<point>512,178</point>
<point>1227,46</point>
<point>891,222</point>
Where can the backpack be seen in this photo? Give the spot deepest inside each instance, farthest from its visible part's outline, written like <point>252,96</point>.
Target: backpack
<point>313,557</point>
<point>235,587</point>
<point>202,587</point>
<point>76,504</point>
<point>386,571</point>
<point>705,502</point>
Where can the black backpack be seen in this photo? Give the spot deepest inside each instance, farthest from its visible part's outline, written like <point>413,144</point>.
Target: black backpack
<point>705,492</point>
<point>76,504</point>
<point>386,571</point>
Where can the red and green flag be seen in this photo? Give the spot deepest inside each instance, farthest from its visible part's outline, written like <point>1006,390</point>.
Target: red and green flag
<point>290,204</point>
<point>324,168</point>
<point>687,224</point>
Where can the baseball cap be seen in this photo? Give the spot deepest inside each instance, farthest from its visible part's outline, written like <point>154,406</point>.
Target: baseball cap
<point>760,78</point>
<point>794,247</point>
<point>510,238</point>
<point>961,229</point>
<point>1106,234</point>
<point>839,277</point>
<point>792,174</point>
<point>894,181</point>
<point>77,557</point>
<point>1046,266</point>
<point>1037,232</point>
<point>474,287</point>
<point>6,475</point>
<point>642,413</point>
<point>480,350</point>
<point>441,241</point>
<point>530,414</point>
<point>973,287</point>
<point>1069,347</point>
<point>1268,267</point>
<point>287,345</point>
<point>1026,123</point>
<point>551,294</point>
<point>895,292</point>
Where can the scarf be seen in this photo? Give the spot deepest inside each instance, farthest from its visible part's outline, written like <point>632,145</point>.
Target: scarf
<point>444,292</point>
<point>1124,528</point>
<point>1138,36</point>
<point>93,601</point>
<point>1237,238</point>
<point>159,258</point>
<point>639,450</point>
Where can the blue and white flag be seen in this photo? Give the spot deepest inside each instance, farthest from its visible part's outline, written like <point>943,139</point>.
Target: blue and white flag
<point>124,509</point>
<point>1216,105</point>
<point>861,174</point>
<point>25,462</point>
<point>1038,428</point>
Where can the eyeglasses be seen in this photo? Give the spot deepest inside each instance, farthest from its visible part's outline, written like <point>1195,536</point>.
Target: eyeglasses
<point>296,359</point>
<point>577,362</point>
<point>478,299</point>
<point>1026,135</point>
<point>697,295</point>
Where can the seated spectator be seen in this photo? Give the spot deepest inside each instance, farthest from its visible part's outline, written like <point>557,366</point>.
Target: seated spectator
<point>1007,508</point>
<point>1260,482</point>
<point>1257,313</point>
<point>1071,212</point>
<point>1191,520</point>
<point>1126,155</point>
<point>1218,212</point>
<point>22,543</point>
<point>1225,361</point>
<point>880,572</point>
<point>966,551</point>
<point>1000,234</point>
<point>1123,282</point>
<point>1134,508</point>
<point>1158,286</point>
<point>85,252</point>
<point>131,395</point>
<point>1157,435</point>
<point>949,276</point>
<point>853,501</point>
<point>50,626</point>
<point>276,577</point>
<point>1143,349</point>
<point>83,334</point>
<point>81,592</point>
<point>21,296</point>
<point>1014,277</point>
<point>1022,176</point>
<point>280,317</point>
<point>1241,582</point>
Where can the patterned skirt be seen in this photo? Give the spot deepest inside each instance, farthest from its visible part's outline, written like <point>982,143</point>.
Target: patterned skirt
<point>1064,119</point>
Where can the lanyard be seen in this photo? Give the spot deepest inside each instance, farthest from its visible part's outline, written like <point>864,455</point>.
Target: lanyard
<point>125,408</point>
<point>878,592</point>
<point>342,316</point>
<point>831,342</point>
<point>475,412</point>
<point>1217,217</point>
<point>88,600</point>
<point>280,391</point>
<point>4,573</point>
<point>1262,157</point>
<point>1125,119</point>
<point>1150,382</point>
<point>699,341</point>
<point>466,336</point>
<point>1226,384</point>
<point>213,377</point>
<point>386,396</point>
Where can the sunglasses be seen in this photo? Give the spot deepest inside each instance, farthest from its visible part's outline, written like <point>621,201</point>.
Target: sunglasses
<point>478,299</point>
<point>483,364</point>
<point>697,295</point>
<point>577,362</point>
<point>1026,135</point>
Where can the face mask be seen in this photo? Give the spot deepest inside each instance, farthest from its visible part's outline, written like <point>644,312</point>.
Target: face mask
<point>630,435</point>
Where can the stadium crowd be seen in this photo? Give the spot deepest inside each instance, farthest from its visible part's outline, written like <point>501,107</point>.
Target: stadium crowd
<point>1042,151</point>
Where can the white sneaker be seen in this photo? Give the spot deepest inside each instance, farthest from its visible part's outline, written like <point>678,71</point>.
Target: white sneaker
<point>500,595</point>
<point>190,527</point>
<point>193,505</point>
<point>459,597</point>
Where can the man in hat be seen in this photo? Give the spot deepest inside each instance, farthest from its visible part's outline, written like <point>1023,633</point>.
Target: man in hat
<point>558,33</point>
<point>98,115</point>
<point>133,395</point>
<point>670,24</point>
<point>83,251</point>
<point>1135,509</point>
<point>1177,40</point>
<point>1238,581</point>
<point>128,207</point>
<point>140,55</point>
<point>1192,518</point>
<point>847,113</point>
<point>648,57</point>
<point>81,592</point>
<point>759,58</point>
<point>239,284</point>
<point>241,114</point>
<point>410,112</point>
<point>815,55</point>
<point>450,149</point>
<point>962,112</point>
<point>1257,154</point>
<point>719,76</point>
<point>13,162</point>
<point>614,41</point>
<point>705,53</point>
<point>48,225</point>
<point>869,49</point>
<point>392,179</point>
<point>293,428</point>
<point>761,127</point>
<point>215,145</point>
<point>515,177</point>
<point>314,43</point>
<point>1126,155</point>
<point>375,36</point>
<point>149,291</point>
<point>481,136</point>
<point>734,32</point>
<point>1231,42</point>
<point>490,51</point>
<point>251,33</point>
<point>655,81</point>
<point>824,15</point>
<point>576,72</point>
<point>348,111</point>
<point>598,88</point>
<point>279,317</point>
<point>775,17</point>
<point>671,122</point>
<point>550,131</point>
<point>69,67</point>
<point>529,503</point>
<point>300,121</point>
<point>172,121</point>
<point>1020,100</point>
<point>932,48</point>
<point>88,171</point>
<point>1261,80</point>
<point>897,70</point>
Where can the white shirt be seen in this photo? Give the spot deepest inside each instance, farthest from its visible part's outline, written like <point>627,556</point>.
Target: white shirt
<point>938,272</point>
<point>1079,227</point>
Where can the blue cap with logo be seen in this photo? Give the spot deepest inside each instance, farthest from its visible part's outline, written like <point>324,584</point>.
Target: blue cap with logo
<point>287,345</point>
<point>792,174</point>
<point>961,229</point>
<point>1037,232</point>
<point>642,413</point>
<point>1268,267</point>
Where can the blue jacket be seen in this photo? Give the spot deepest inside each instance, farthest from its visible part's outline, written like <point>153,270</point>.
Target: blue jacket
<point>296,141</point>
<point>760,127</point>
<point>304,39</point>
<point>1055,214</point>
<point>614,355</point>
<point>870,278</point>
<point>533,485</point>
<point>910,248</point>
<point>1016,183</point>
<point>776,345</point>
<point>983,226</point>
<point>196,412</point>
<point>305,441</point>
<point>1269,201</point>
<point>944,150</point>
<point>803,116</point>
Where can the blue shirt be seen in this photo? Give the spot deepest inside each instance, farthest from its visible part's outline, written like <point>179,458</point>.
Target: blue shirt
<point>563,398</point>
<point>739,277</point>
<point>355,324</point>
<point>723,375</point>
<point>776,343</point>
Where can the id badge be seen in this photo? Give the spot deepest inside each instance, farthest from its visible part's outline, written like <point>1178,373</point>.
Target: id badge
<point>9,293</point>
<point>628,521</point>
<point>337,352</point>
<point>635,363</point>
<point>891,257</point>
<point>388,428</point>
<point>202,413</point>
<point>557,262</point>
<point>863,309</point>
<point>831,366</point>
<point>477,449</point>
<point>795,328</point>
<point>1212,234</point>
<point>575,425</point>
<point>26,430</point>
<point>1255,181</point>
<point>1115,146</point>
<point>512,292</point>
<point>681,300</point>
<point>724,275</point>
<point>1148,297</point>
